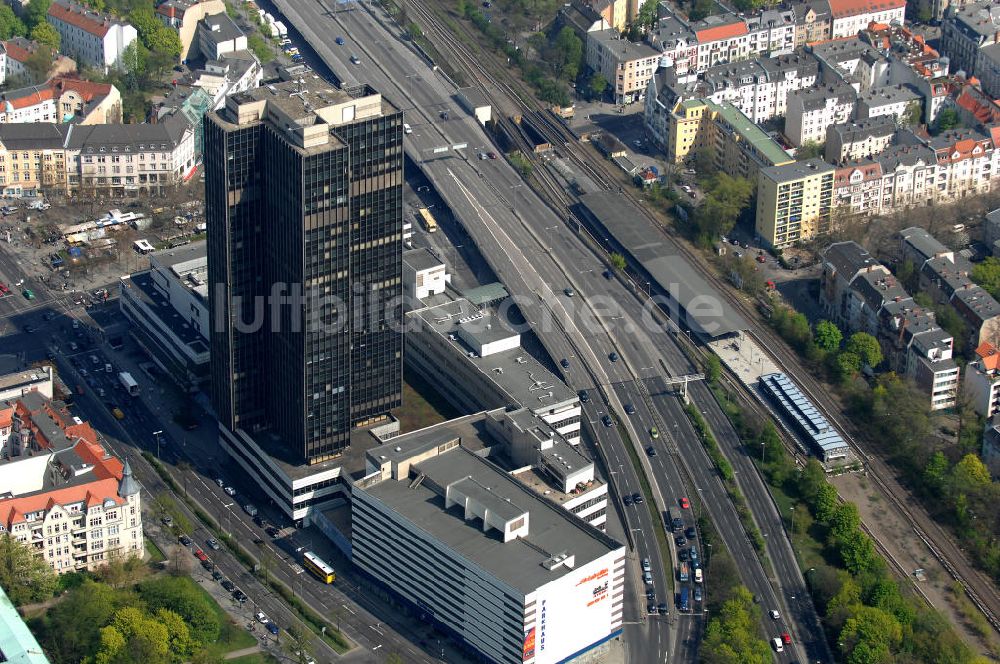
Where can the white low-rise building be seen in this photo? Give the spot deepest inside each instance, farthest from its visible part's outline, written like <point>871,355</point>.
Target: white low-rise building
<point>472,549</point>
<point>97,40</point>
<point>982,380</point>
<point>811,111</point>
<point>852,16</point>
<point>423,275</point>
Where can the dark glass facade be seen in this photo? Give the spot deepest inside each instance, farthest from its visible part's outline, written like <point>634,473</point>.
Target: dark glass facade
<point>306,244</point>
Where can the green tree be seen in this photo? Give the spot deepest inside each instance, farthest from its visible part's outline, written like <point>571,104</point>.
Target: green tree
<point>25,577</point>
<point>847,365</point>
<point>179,640</point>
<point>731,636</point>
<point>858,552</point>
<point>826,503</point>
<point>299,644</point>
<point>872,631</point>
<point>970,474</point>
<point>260,48</point>
<point>713,368</point>
<point>647,14</point>
<point>913,113</point>
<point>617,261</point>
<point>809,150</point>
<point>165,41</point>
<point>844,520</point>
<point>71,628</point>
<point>146,639</point>
<point>987,275</point>
<point>701,8</point>
<point>45,34</point>
<point>948,119</point>
<point>866,347</point>
<point>568,54</point>
<point>597,85</point>
<point>906,273</point>
<point>38,64</point>
<point>178,594</point>
<point>828,336</point>
<point>36,12</point>
<point>812,480</point>
<point>725,199</point>
<point>936,472</point>
<point>10,24</point>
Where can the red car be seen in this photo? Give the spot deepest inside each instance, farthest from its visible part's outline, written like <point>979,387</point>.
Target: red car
<point>493,155</point>
<point>786,638</point>
<point>685,503</point>
<point>200,555</point>
<point>4,289</point>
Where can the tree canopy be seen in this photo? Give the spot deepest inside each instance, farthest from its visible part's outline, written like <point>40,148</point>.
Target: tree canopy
<point>25,577</point>
<point>828,336</point>
<point>725,199</point>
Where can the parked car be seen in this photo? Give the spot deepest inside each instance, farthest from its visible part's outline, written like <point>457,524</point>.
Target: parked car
<point>272,628</point>
<point>200,555</point>
<point>185,540</point>
<point>167,521</point>
<point>228,585</point>
<point>230,491</point>
<point>213,543</point>
<point>262,618</point>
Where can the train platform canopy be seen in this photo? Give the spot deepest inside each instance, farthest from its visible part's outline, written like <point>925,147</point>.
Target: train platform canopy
<point>703,307</point>
<point>810,423</point>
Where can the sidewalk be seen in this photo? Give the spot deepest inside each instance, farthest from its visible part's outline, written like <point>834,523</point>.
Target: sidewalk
<point>242,653</point>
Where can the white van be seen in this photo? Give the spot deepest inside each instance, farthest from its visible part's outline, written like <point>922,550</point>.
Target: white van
<point>777,644</point>
<point>697,575</point>
<point>407,129</point>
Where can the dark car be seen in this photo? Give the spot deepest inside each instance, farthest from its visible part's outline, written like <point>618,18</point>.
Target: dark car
<point>340,41</point>
<point>239,596</point>
<point>259,520</point>
<point>637,498</point>
<point>607,420</point>
<point>564,363</point>
<point>650,595</point>
<point>676,524</point>
<point>691,532</point>
<point>697,594</point>
<point>680,540</point>
<point>651,609</point>
<point>272,531</point>
<point>630,409</point>
<point>682,555</point>
<point>216,574</point>
<point>208,565</point>
<point>664,609</point>
<point>607,274</point>
<point>627,499</point>
<point>228,585</point>
<point>584,397</point>
<point>651,451</point>
<point>185,540</point>
<point>613,356</point>
<point>272,627</point>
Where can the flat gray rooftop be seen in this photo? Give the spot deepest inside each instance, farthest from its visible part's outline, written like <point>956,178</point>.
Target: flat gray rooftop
<point>25,377</point>
<point>704,308</point>
<point>519,563</point>
<point>168,258</point>
<point>144,289</point>
<point>421,259</point>
<point>523,378</point>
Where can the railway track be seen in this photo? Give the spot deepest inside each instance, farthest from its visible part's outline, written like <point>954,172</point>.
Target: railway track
<point>979,588</point>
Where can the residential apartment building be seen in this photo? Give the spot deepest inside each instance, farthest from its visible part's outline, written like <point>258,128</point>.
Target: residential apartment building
<point>991,448</point>
<point>968,162</point>
<point>794,202</point>
<point>945,277</point>
<point>771,32</point>
<point>759,88</point>
<point>64,494</point>
<point>184,16</point>
<point>850,62</point>
<point>991,231</point>
<point>678,46</point>
<point>899,102</point>
<point>627,66</point>
<point>857,187</point>
<point>19,383</point>
<point>982,381</point>
<point>811,111</point>
<point>116,158</point>
<point>63,100</point>
<point>721,39</point>
<point>861,295</point>
<point>849,17</point>
<point>858,140</point>
<point>737,145</point>
<point>976,108</point>
<point>167,307</point>
<point>812,21</point>
<point>428,509</point>
<point>304,186</point>
<point>90,38</point>
<point>970,39</point>
<point>909,174</point>
<point>14,55</point>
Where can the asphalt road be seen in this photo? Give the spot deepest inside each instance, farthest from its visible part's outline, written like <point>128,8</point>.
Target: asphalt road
<point>528,246</point>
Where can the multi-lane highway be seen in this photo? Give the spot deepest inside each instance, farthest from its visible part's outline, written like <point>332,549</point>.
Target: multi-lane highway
<point>529,247</point>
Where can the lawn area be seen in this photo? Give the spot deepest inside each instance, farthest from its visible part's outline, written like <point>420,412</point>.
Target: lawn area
<point>232,636</point>
<point>155,555</point>
<point>422,405</point>
<point>256,658</point>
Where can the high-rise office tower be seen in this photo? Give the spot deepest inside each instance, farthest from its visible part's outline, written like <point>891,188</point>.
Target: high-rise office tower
<point>303,185</point>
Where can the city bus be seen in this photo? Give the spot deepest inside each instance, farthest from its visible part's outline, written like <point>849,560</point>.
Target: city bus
<point>317,567</point>
<point>685,603</point>
<point>429,222</point>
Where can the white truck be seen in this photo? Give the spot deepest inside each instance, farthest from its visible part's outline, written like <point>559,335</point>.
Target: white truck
<point>132,387</point>
<point>273,29</point>
<point>282,30</point>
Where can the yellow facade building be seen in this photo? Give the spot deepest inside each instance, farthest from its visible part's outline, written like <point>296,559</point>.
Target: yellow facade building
<point>794,202</point>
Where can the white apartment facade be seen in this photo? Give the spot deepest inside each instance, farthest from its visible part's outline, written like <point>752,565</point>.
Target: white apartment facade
<point>811,111</point>
<point>982,381</point>
<point>849,19</point>
<point>97,40</point>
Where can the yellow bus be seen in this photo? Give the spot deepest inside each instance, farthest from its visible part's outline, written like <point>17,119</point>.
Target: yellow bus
<point>319,569</point>
<point>429,222</point>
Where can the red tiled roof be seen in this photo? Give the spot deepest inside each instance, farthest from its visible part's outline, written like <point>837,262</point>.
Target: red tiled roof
<point>719,32</point>
<point>80,17</point>
<point>15,51</point>
<point>6,417</point>
<point>842,8</point>
<point>13,510</point>
<point>989,355</point>
<point>54,89</point>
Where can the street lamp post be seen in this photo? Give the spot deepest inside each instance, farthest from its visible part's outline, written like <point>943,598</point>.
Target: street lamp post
<point>157,435</point>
